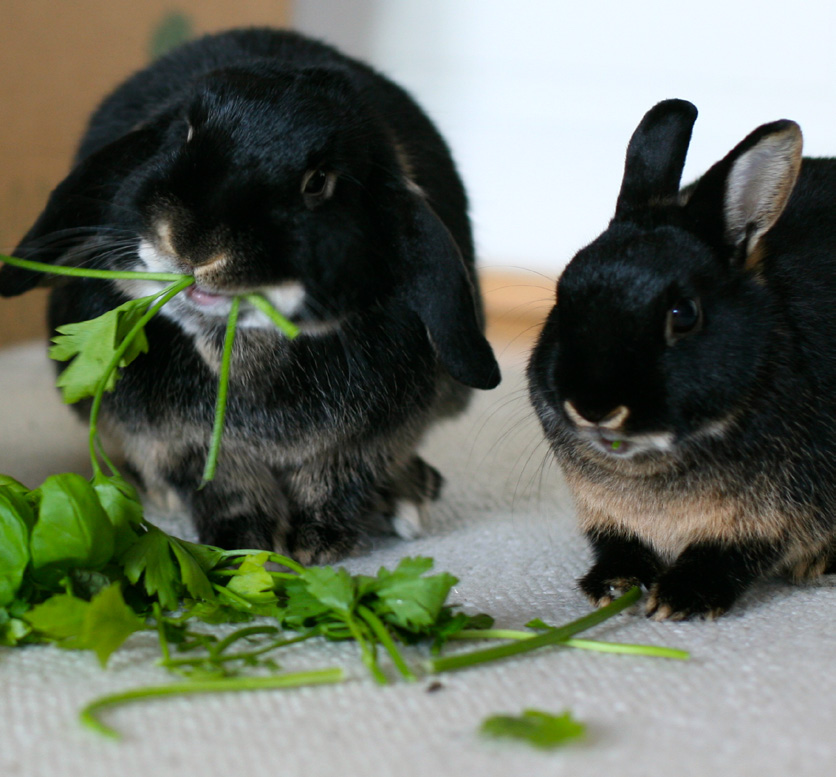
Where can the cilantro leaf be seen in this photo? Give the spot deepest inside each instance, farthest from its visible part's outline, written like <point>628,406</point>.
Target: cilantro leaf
<point>536,727</point>
<point>91,346</point>
<point>72,529</point>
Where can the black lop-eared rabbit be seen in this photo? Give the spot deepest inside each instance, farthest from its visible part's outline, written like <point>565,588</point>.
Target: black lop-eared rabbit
<point>261,161</point>
<point>686,378</point>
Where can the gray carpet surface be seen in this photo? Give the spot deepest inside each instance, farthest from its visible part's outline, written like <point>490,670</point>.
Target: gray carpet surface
<point>758,696</point>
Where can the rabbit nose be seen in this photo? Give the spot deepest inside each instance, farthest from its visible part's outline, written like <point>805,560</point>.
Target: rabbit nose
<point>612,419</point>
<point>207,263</point>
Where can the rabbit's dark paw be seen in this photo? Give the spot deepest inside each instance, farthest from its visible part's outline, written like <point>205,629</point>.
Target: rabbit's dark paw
<point>312,544</point>
<point>680,595</point>
<point>621,563</point>
<point>601,586</point>
<point>237,534</point>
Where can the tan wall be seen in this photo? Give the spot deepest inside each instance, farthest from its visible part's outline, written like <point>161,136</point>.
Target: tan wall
<point>58,58</point>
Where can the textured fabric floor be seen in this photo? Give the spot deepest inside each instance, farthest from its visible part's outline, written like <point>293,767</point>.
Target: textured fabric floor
<point>758,696</point>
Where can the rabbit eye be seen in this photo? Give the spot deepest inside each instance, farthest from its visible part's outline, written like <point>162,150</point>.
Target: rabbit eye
<point>317,186</point>
<point>684,318</point>
<point>189,133</point>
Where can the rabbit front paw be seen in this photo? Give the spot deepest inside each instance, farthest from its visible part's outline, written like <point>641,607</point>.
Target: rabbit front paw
<point>680,595</point>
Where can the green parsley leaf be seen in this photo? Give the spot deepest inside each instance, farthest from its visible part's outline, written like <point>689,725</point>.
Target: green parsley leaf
<point>334,588</point>
<point>252,581</point>
<point>92,344</point>
<point>302,608</point>
<point>207,556</point>
<point>536,727</point>
<point>407,599</point>
<point>12,630</point>
<point>169,568</point>
<point>108,622</point>
<point>100,625</point>
<point>192,576</point>
<point>72,529</point>
<point>59,617</point>
<point>151,556</point>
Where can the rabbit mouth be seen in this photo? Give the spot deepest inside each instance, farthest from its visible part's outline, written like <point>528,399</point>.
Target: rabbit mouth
<point>622,446</point>
<point>206,299</point>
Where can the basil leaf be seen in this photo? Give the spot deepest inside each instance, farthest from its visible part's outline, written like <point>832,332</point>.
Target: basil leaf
<point>120,502</point>
<point>16,518</point>
<point>72,529</point>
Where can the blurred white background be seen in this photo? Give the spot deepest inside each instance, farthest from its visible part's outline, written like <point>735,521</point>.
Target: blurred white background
<point>538,99</point>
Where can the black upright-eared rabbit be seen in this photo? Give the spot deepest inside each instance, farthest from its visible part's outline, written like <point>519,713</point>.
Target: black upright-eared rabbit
<point>686,378</point>
<point>261,161</point>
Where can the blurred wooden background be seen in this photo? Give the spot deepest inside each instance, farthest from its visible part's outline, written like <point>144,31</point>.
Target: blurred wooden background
<point>58,60</point>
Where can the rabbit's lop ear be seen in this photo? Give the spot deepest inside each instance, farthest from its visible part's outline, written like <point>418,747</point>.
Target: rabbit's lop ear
<point>436,286</point>
<point>741,197</point>
<point>78,206</point>
<point>655,157</point>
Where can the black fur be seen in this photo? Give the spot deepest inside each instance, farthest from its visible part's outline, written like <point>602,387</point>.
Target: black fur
<point>701,459</point>
<point>202,159</point>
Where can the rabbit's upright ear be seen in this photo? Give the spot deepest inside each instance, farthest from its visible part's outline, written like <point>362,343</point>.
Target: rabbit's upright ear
<point>78,206</point>
<point>434,283</point>
<point>655,157</point>
<point>741,197</point>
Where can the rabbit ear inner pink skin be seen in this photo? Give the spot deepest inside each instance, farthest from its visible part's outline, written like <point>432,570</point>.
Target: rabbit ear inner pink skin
<point>260,161</point>
<point>679,379</point>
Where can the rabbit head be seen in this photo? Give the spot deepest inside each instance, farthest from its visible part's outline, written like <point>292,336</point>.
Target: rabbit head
<point>277,180</point>
<point>661,323</point>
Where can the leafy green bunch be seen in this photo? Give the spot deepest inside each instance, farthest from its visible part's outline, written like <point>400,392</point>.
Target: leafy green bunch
<point>81,566</point>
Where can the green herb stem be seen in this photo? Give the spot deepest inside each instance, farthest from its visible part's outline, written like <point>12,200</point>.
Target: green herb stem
<point>215,659</point>
<point>239,634</point>
<point>653,651</point>
<point>583,644</point>
<point>152,311</point>
<point>552,637</point>
<point>89,715</point>
<point>258,301</point>
<point>237,600</point>
<point>223,386</point>
<point>385,638</point>
<point>276,558</point>
<point>367,648</point>
<point>81,272</point>
<point>160,628</point>
<point>494,634</point>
